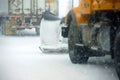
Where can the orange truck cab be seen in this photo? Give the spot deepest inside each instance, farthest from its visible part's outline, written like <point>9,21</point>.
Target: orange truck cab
<point>87,7</point>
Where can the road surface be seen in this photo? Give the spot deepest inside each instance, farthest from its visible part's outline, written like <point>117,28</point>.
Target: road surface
<point>21,59</point>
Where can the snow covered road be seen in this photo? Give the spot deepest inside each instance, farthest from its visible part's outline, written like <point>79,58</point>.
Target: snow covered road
<point>21,59</point>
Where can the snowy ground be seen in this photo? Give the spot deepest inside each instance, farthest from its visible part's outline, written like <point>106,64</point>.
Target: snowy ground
<point>21,59</point>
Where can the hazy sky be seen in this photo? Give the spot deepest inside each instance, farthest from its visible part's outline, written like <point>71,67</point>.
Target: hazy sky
<point>65,6</point>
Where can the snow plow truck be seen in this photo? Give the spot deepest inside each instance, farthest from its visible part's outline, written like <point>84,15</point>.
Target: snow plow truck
<point>93,29</point>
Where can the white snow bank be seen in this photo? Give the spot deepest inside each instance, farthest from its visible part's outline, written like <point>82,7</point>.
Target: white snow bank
<point>49,32</point>
<point>50,35</point>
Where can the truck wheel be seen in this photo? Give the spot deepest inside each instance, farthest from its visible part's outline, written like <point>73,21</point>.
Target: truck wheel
<point>37,30</point>
<point>76,53</point>
<point>71,45</point>
<point>117,54</point>
<point>83,60</point>
<point>2,27</point>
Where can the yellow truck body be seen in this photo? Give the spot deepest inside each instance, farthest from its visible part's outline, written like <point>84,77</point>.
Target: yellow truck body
<point>87,7</point>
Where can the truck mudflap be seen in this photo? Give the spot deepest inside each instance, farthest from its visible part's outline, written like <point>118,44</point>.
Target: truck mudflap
<point>65,32</point>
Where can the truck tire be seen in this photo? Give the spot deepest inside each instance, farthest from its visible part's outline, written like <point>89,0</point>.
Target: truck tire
<point>37,30</point>
<point>71,46</point>
<point>117,54</point>
<point>76,53</point>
